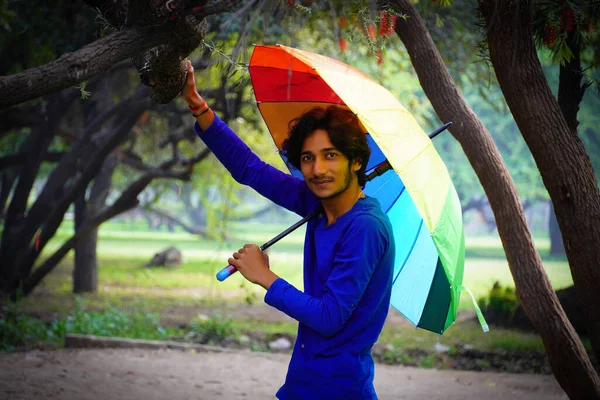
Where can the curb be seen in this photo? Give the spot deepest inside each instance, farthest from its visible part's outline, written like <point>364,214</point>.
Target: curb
<point>73,341</point>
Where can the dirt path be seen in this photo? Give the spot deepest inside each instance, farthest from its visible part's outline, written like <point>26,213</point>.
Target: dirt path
<point>115,374</point>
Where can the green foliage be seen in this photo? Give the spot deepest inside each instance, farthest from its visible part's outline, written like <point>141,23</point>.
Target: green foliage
<point>115,322</point>
<point>84,94</point>
<point>501,299</point>
<point>556,22</point>
<point>18,330</point>
<point>215,329</point>
<point>397,356</point>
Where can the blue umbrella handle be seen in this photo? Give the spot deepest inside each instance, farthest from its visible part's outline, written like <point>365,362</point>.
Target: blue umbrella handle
<point>380,169</point>
<point>226,273</point>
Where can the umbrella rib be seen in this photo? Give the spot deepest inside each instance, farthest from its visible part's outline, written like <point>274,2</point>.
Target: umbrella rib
<point>387,181</point>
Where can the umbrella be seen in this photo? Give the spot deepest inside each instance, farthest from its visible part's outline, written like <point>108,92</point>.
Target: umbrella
<point>418,196</point>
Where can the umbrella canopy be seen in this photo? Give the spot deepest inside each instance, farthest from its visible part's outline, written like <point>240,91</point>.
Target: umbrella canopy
<point>419,198</point>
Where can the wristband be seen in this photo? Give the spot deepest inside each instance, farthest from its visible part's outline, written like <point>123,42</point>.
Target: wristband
<point>203,112</point>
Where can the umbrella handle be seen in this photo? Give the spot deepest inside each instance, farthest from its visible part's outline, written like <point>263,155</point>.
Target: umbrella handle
<point>226,273</point>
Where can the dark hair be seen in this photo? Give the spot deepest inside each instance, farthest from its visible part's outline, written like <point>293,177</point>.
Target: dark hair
<point>344,133</point>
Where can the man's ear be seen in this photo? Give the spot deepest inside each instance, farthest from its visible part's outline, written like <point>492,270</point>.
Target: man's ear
<point>356,165</point>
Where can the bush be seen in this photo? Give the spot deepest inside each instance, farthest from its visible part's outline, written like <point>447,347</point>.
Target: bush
<point>136,324</point>
<point>500,304</point>
<point>19,330</point>
<point>216,329</point>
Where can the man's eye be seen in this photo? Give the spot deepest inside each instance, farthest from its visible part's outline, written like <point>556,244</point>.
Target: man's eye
<point>331,155</point>
<point>306,158</point>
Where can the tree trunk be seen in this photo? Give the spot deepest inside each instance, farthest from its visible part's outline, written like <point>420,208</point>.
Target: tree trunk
<point>570,94</point>
<point>564,165</point>
<point>568,358</point>
<point>557,248</point>
<point>35,146</point>
<point>85,271</point>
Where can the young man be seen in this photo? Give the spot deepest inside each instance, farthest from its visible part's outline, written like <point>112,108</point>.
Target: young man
<point>348,250</point>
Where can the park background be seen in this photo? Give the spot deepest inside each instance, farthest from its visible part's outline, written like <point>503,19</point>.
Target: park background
<point>107,287</point>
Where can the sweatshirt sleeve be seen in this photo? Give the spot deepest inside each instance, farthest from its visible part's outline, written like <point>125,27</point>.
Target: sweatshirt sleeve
<point>246,168</point>
<point>361,249</point>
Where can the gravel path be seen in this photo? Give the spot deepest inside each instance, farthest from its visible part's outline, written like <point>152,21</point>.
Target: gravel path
<point>167,374</point>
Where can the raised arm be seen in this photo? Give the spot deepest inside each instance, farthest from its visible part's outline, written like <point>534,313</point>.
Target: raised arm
<point>245,167</point>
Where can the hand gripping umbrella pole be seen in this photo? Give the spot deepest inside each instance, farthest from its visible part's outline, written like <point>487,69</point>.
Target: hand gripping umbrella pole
<point>377,171</point>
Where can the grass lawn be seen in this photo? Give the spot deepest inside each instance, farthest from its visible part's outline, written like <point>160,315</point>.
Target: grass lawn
<point>191,288</point>
<point>123,255</point>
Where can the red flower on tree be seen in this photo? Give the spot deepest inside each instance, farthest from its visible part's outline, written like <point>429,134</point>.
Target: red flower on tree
<point>549,35</point>
<point>567,19</point>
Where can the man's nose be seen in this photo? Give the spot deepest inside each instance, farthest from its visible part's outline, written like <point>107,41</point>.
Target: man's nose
<point>319,167</point>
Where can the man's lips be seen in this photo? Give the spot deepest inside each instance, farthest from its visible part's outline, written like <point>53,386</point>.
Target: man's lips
<point>321,181</point>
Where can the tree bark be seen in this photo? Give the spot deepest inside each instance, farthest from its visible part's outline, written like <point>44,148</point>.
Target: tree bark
<point>85,271</point>
<point>85,268</point>
<point>564,165</point>
<point>568,359</point>
<point>570,94</point>
<point>73,68</point>
<point>570,87</point>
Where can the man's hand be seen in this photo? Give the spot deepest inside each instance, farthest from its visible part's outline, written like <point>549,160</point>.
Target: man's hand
<point>189,92</point>
<point>200,110</point>
<point>254,265</point>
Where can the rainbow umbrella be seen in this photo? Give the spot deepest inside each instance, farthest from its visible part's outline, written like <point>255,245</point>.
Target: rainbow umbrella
<point>418,195</point>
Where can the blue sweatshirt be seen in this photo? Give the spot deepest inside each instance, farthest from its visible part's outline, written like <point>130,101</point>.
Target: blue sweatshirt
<point>348,270</point>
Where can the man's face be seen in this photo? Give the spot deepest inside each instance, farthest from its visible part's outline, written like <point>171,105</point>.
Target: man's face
<point>327,171</point>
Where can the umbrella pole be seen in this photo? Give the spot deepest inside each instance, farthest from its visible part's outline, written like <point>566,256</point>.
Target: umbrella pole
<point>379,170</point>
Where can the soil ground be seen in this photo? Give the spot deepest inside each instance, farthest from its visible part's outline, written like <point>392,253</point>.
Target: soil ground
<point>135,373</point>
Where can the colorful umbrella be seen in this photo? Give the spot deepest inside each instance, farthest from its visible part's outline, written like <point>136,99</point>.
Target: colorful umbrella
<point>418,197</point>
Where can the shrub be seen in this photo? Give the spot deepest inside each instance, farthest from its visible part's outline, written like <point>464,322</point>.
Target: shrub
<point>20,330</point>
<point>115,322</point>
<point>500,304</point>
<point>216,329</point>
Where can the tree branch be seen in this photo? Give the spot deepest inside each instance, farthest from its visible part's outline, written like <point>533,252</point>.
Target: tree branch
<point>191,229</point>
<point>220,7</point>
<point>22,117</point>
<point>73,68</point>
